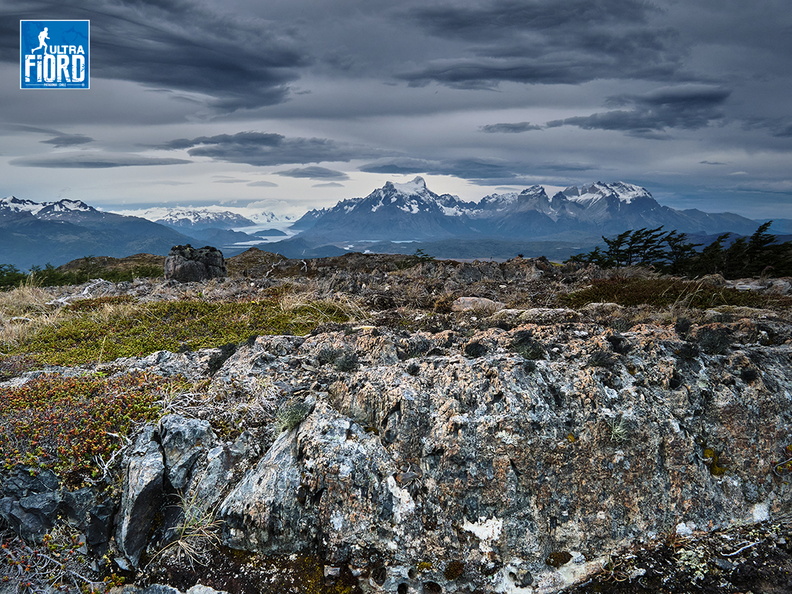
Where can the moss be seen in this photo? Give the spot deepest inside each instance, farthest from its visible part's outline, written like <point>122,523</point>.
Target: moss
<point>139,330</point>
<point>712,460</point>
<point>291,414</point>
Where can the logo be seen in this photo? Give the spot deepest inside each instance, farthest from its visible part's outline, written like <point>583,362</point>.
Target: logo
<point>54,54</point>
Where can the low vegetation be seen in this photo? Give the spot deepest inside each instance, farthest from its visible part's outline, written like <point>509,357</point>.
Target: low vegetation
<point>82,270</point>
<point>669,292</point>
<point>74,425</point>
<point>99,330</point>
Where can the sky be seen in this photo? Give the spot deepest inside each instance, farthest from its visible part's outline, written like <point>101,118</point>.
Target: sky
<point>287,105</point>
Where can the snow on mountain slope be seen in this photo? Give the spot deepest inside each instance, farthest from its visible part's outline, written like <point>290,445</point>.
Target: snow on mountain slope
<point>14,204</point>
<point>187,218</point>
<point>588,195</point>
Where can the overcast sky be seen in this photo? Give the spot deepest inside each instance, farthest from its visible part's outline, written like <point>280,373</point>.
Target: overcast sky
<point>287,105</point>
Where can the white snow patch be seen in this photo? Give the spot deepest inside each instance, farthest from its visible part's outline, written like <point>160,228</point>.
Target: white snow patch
<point>416,186</point>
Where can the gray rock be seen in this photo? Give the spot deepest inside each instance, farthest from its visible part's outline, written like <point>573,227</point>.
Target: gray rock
<point>141,498</point>
<point>159,589</point>
<point>22,481</point>
<point>184,441</point>
<point>494,459</point>
<point>476,304</point>
<point>537,315</point>
<point>30,524</point>
<point>201,589</point>
<point>188,264</point>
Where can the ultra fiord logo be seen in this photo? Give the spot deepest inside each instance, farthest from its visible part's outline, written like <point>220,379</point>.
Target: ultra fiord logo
<point>54,54</point>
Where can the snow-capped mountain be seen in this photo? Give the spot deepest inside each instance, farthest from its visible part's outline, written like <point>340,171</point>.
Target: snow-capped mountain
<point>43,209</point>
<point>411,211</point>
<point>183,218</point>
<point>188,219</point>
<point>33,233</point>
<point>406,211</point>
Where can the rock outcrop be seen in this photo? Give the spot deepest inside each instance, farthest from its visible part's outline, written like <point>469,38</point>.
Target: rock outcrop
<point>464,447</point>
<point>486,468</point>
<point>188,264</point>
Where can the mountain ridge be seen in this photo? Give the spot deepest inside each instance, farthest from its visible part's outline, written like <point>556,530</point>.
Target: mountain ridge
<point>411,212</point>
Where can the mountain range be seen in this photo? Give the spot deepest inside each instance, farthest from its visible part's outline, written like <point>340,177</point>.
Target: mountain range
<point>397,218</point>
<point>34,233</point>
<point>574,219</point>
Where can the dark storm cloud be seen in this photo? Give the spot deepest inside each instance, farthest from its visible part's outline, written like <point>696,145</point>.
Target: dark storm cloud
<point>263,149</point>
<point>92,160</point>
<point>63,140</point>
<point>313,172</point>
<point>783,131</point>
<point>178,44</point>
<point>549,42</point>
<point>262,184</point>
<point>514,128</point>
<point>470,169</point>
<point>688,107</point>
<point>59,140</point>
<point>328,185</point>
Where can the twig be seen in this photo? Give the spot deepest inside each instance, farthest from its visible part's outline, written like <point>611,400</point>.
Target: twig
<point>741,549</point>
<point>784,463</point>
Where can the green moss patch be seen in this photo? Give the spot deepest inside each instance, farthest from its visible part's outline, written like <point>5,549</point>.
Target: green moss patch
<point>91,336</point>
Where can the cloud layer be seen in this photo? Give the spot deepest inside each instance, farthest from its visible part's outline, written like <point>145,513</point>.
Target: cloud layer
<point>283,100</point>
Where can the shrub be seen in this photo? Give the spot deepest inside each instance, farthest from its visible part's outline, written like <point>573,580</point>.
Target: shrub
<point>666,292</point>
<point>57,564</point>
<point>74,424</point>
<point>10,276</point>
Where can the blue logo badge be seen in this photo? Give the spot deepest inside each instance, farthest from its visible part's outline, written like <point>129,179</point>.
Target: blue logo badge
<point>54,54</point>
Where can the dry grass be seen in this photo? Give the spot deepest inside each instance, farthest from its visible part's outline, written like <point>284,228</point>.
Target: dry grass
<point>197,534</point>
<point>322,309</point>
<point>24,311</point>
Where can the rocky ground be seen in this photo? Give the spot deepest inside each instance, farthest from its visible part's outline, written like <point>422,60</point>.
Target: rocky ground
<point>475,428</point>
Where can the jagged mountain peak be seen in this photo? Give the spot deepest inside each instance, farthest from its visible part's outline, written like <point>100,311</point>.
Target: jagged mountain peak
<point>416,186</point>
<point>622,191</point>
<point>67,205</point>
<point>64,205</point>
<point>196,218</point>
<point>534,190</point>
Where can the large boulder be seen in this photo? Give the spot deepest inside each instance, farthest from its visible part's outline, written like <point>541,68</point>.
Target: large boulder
<point>188,264</point>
